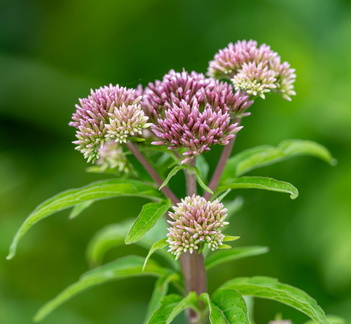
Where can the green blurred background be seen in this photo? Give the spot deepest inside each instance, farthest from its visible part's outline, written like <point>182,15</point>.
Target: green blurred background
<point>53,52</point>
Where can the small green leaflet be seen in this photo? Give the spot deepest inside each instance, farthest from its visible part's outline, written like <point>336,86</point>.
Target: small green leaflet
<point>122,268</point>
<point>270,288</point>
<point>260,183</point>
<point>226,306</point>
<point>92,192</point>
<point>219,257</point>
<point>79,208</point>
<point>201,182</point>
<point>147,218</point>
<point>194,170</point>
<point>157,246</point>
<point>171,306</point>
<point>171,174</point>
<point>265,155</point>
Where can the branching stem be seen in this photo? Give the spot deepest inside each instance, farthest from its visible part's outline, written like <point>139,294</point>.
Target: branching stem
<point>221,165</point>
<point>153,173</point>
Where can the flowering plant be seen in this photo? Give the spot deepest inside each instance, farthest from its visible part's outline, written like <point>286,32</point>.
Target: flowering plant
<point>145,136</point>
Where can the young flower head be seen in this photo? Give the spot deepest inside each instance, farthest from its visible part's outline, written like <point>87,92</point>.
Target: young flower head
<point>126,122</point>
<point>111,105</point>
<point>192,112</point>
<point>111,156</point>
<point>196,222</point>
<point>255,79</point>
<point>253,69</point>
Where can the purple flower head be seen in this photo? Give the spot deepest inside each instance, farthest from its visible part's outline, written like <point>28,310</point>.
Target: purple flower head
<point>196,222</point>
<point>253,69</point>
<point>111,156</point>
<point>100,108</point>
<point>174,87</point>
<point>192,112</point>
<point>187,126</point>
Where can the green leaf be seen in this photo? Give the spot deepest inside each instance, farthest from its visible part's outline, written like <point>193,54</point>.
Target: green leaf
<point>171,306</point>
<point>107,238</point>
<point>160,290</point>
<point>77,209</point>
<point>220,257</point>
<point>230,238</point>
<point>171,174</point>
<point>331,319</point>
<point>147,218</point>
<point>202,166</point>
<point>302,147</point>
<point>92,192</point>
<point>260,183</point>
<point>266,155</point>
<point>226,306</point>
<point>201,182</point>
<point>168,303</point>
<point>270,288</point>
<point>122,268</point>
<point>157,246</point>
<point>216,315</point>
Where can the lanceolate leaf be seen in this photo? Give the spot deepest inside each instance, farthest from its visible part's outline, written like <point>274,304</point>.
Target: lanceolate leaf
<point>260,183</point>
<point>160,290</point>
<point>171,306</point>
<point>119,269</point>
<point>227,306</point>
<point>219,257</point>
<point>92,192</point>
<point>265,155</point>
<point>270,288</point>
<point>147,218</point>
<point>157,246</point>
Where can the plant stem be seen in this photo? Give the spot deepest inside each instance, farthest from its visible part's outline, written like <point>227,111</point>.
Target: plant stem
<point>221,165</point>
<point>191,179</point>
<point>153,173</point>
<point>193,267</point>
<point>193,264</point>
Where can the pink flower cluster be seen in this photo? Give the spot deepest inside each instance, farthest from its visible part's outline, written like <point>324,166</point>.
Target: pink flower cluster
<point>110,113</point>
<point>192,112</point>
<point>256,70</point>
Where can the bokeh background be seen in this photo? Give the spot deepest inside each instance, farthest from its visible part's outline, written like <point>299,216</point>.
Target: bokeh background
<point>53,52</point>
